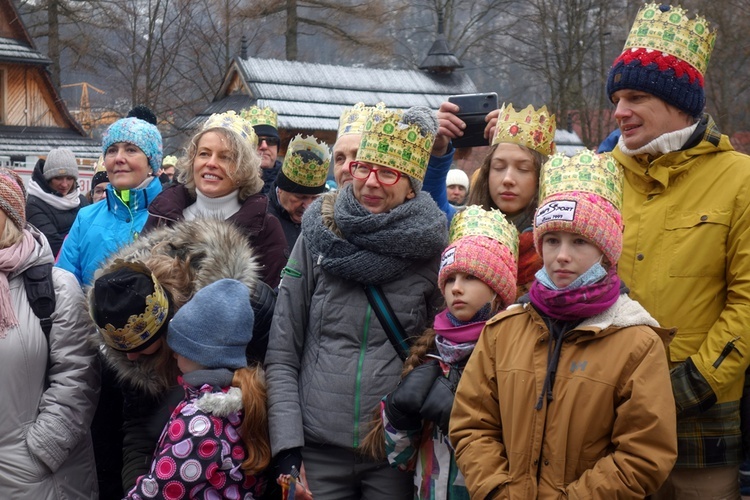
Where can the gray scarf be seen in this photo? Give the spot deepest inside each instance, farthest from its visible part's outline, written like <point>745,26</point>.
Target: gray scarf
<point>368,248</point>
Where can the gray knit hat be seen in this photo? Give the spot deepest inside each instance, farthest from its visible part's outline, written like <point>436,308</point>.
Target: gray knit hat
<point>215,326</point>
<point>60,163</point>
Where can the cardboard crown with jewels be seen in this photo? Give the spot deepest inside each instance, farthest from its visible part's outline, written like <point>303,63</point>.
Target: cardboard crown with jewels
<point>534,129</point>
<point>476,221</point>
<point>586,172</point>
<point>232,121</point>
<point>311,171</point>
<point>353,119</point>
<point>672,32</point>
<point>260,116</point>
<point>389,142</point>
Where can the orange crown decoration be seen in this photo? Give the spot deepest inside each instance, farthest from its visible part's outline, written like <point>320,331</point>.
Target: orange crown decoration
<point>534,129</point>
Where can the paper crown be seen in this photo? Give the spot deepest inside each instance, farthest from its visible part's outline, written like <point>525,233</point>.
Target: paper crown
<point>260,116</point>
<point>534,129</point>
<point>308,173</point>
<point>169,160</point>
<point>587,172</point>
<point>668,29</point>
<point>476,221</point>
<point>353,119</point>
<point>140,328</point>
<point>388,142</point>
<point>232,121</point>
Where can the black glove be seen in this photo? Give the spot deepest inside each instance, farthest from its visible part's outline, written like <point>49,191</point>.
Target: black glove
<point>285,459</point>
<point>403,404</point>
<point>439,401</point>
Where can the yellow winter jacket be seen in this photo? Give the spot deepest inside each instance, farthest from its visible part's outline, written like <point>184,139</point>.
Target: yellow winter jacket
<point>686,253</point>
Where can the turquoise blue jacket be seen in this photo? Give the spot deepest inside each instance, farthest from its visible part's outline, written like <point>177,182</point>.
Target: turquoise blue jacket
<point>102,228</point>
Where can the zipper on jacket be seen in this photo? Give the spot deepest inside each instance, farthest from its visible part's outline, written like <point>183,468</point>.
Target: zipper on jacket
<point>358,386</point>
<point>726,351</point>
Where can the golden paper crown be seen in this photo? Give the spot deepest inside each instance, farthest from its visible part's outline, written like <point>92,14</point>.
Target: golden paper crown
<point>232,121</point>
<point>534,129</point>
<point>388,142</point>
<point>99,165</point>
<point>672,32</point>
<point>260,116</point>
<point>353,119</point>
<point>169,160</point>
<point>476,221</point>
<point>586,171</point>
<point>311,173</point>
<point>139,328</point>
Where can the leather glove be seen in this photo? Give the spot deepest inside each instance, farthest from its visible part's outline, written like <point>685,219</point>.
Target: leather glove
<point>439,401</point>
<point>403,404</point>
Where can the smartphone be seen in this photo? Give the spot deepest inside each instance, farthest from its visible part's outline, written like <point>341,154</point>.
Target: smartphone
<point>472,109</point>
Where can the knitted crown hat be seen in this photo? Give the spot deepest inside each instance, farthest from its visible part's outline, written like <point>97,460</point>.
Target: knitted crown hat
<point>215,326</point>
<point>129,306</point>
<point>666,54</point>
<point>582,195</point>
<point>457,177</point>
<point>483,244</point>
<point>305,166</point>
<point>13,197</point>
<point>140,133</point>
<point>60,162</point>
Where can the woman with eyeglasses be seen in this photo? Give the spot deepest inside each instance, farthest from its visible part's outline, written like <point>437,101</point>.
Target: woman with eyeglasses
<point>330,360</point>
<point>218,177</point>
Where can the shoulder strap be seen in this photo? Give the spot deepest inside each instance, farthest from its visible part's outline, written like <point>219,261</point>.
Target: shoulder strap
<point>389,321</point>
<point>40,291</point>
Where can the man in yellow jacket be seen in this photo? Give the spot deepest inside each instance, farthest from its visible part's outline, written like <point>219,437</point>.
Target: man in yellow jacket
<point>686,254</point>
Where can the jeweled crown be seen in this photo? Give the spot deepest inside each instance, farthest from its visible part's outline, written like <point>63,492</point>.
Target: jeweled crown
<point>534,129</point>
<point>389,142</point>
<point>476,221</point>
<point>668,29</point>
<point>310,173</point>
<point>586,171</point>
<point>232,121</point>
<point>353,119</point>
<point>260,116</point>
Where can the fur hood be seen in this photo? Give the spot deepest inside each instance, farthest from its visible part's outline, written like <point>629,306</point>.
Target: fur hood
<point>184,258</point>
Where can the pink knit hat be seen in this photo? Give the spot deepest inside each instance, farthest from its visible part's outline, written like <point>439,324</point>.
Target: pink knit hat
<point>582,195</point>
<point>483,244</point>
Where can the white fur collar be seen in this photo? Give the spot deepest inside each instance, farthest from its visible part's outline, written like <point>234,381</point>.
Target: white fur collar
<point>221,404</point>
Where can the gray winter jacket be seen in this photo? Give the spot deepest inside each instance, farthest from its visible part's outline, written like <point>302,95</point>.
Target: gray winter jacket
<point>45,442</point>
<point>329,361</point>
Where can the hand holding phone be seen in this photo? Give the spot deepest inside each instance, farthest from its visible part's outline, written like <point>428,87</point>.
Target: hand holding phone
<point>472,110</point>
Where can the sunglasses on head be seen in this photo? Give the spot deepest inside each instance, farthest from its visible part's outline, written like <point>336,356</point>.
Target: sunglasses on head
<point>270,140</point>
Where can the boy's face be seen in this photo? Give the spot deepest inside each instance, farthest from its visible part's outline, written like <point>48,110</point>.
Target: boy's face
<point>465,294</point>
<point>567,256</point>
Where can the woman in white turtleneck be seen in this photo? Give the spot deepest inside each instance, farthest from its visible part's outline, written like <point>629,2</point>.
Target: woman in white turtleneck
<point>219,177</point>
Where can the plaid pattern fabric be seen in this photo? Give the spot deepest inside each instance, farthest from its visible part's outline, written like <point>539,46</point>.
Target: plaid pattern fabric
<point>712,439</point>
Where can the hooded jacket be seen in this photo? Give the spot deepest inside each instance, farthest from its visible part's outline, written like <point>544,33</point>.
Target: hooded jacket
<point>685,252</point>
<point>263,231</point>
<point>50,392</point>
<point>609,430</point>
<point>53,222</point>
<point>102,228</point>
<point>214,249</point>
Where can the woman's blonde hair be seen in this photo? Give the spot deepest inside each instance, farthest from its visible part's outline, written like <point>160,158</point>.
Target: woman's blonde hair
<point>480,187</point>
<point>254,427</point>
<point>247,173</point>
<point>11,235</point>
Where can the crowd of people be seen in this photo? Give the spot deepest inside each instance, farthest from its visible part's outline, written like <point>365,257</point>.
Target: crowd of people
<point>220,323</point>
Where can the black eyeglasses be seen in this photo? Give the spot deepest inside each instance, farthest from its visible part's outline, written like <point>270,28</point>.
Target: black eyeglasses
<point>362,171</point>
<point>270,140</point>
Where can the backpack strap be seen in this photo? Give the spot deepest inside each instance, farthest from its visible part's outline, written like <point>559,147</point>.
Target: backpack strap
<point>389,321</point>
<point>40,291</point>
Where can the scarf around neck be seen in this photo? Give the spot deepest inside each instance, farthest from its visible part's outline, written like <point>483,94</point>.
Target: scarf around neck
<point>577,303</point>
<point>368,248</point>
<point>11,259</point>
<point>67,202</point>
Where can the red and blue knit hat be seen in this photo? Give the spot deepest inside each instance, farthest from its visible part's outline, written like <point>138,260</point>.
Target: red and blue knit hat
<point>666,54</point>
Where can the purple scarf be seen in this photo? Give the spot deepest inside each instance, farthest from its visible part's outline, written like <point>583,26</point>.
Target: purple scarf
<point>578,303</point>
